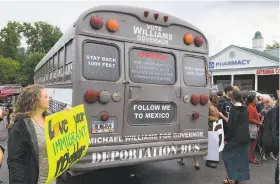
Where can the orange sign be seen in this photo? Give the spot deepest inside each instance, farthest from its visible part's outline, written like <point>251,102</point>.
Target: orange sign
<point>273,71</point>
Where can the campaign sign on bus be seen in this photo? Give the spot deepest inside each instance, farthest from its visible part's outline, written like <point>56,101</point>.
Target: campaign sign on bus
<point>66,140</point>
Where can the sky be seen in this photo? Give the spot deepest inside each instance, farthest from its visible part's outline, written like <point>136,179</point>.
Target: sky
<point>223,23</point>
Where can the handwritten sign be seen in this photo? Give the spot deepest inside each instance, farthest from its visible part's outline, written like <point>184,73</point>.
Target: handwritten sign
<point>66,140</point>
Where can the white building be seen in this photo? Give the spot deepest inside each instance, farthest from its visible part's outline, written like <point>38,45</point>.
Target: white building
<point>250,69</point>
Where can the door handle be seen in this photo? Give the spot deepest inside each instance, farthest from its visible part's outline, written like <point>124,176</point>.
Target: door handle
<point>125,82</point>
<point>129,93</point>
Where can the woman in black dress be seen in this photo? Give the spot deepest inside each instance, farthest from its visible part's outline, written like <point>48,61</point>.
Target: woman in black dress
<point>237,137</point>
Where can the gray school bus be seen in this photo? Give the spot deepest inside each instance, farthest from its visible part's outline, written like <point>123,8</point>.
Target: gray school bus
<point>142,77</point>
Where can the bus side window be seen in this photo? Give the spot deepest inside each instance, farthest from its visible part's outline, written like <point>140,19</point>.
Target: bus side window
<point>68,72</point>
<point>61,60</point>
<point>55,65</point>
<point>68,61</point>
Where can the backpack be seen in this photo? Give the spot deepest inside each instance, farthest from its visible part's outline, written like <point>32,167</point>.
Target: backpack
<point>269,132</point>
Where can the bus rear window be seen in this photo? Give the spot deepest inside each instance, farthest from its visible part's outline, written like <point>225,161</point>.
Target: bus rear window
<point>101,62</point>
<point>194,71</point>
<point>151,67</point>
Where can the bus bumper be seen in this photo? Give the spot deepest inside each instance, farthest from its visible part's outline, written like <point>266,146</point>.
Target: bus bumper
<point>131,154</point>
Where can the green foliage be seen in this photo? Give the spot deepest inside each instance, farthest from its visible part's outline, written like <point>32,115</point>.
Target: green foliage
<point>275,45</point>
<point>10,39</point>
<point>41,36</point>
<point>10,71</point>
<point>17,63</point>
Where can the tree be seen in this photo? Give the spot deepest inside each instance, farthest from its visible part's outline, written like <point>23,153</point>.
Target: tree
<point>40,36</point>
<point>10,39</point>
<point>275,45</point>
<point>30,63</point>
<point>10,71</point>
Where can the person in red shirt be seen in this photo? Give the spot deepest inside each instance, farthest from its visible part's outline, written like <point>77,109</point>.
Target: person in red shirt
<point>254,119</point>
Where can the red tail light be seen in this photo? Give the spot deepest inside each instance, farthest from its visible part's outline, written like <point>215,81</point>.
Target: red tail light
<point>146,13</point>
<point>156,16</point>
<point>204,99</point>
<point>195,116</point>
<point>96,22</point>
<point>198,41</point>
<point>91,96</point>
<point>165,18</point>
<point>105,117</point>
<point>195,99</point>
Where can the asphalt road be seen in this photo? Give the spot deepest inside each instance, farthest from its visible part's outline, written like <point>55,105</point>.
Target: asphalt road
<point>168,172</point>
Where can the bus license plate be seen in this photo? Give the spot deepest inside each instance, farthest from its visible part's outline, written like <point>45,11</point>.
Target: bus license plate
<point>102,126</point>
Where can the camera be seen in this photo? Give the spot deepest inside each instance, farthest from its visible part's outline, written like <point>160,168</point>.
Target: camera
<point>8,107</point>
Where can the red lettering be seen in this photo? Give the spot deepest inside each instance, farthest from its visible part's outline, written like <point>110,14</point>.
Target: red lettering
<point>151,55</point>
<point>268,71</point>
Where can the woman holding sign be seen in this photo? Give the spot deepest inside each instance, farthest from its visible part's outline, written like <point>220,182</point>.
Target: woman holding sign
<point>27,156</point>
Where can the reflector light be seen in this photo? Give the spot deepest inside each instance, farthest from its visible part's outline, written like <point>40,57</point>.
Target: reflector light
<point>195,99</point>
<point>186,99</point>
<point>105,117</point>
<point>188,39</point>
<point>195,116</point>
<point>198,41</point>
<point>156,15</point>
<point>96,22</point>
<point>104,97</point>
<point>146,13</point>
<point>204,99</point>
<point>91,96</point>
<point>165,18</point>
<point>112,25</point>
<point>116,97</point>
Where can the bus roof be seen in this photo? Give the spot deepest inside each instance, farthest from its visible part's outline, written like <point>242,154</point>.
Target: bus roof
<point>79,26</point>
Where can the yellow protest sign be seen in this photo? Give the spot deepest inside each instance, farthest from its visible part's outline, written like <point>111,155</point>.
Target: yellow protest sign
<point>66,140</point>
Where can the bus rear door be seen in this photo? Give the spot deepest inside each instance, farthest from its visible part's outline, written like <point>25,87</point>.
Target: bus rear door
<point>152,93</point>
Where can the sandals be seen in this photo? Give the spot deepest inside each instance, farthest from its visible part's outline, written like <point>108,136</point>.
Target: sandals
<point>196,167</point>
<point>181,163</point>
<point>228,181</point>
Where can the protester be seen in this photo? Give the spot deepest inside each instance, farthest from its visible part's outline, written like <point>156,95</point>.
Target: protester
<point>3,135</point>
<point>213,116</point>
<point>225,104</point>
<point>277,128</point>
<point>235,153</point>
<point>196,164</point>
<point>267,106</point>
<point>27,157</point>
<point>255,121</point>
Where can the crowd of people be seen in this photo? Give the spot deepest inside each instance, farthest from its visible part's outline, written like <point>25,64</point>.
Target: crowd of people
<point>242,115</point>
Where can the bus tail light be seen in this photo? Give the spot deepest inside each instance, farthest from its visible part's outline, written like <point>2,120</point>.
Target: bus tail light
<point>112,25</point>
<point>156,16</point>
<point>96,22</point>
<point>195,99</point>
<point>146,13</point>
<point>198,41</point>
<point>195,116</point>
<point>188,39</point>
<point>165,18</point>
<point>104,96</point>
<point>204,99</point>
<point>104,117</point>
<point>91,96</point>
